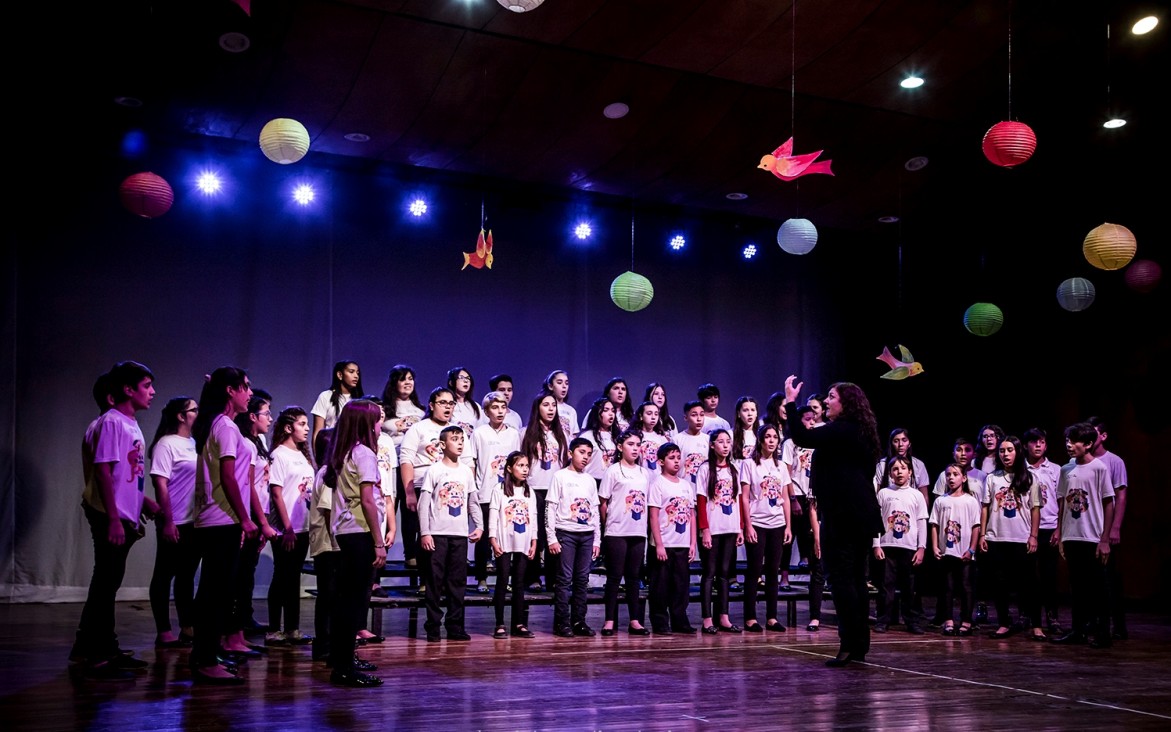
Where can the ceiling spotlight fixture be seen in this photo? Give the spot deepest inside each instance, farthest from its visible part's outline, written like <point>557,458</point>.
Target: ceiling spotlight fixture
<point>303,194</point>
<point>583,230</point>
<point>677,242</point>
<point>1114,123</point>
<point>888,219</point>
<point>1144,26</point>
<point>520,6</point>
<point>911,82</point>
<point>208,183</point>
<point>358,137</point>
<point>736,196</point>
<point>418,207</point>
<point>617,110</point>
<point>916,163</point>
<point>132,102</point>
<point>234,42</point>
<point>749,251</point>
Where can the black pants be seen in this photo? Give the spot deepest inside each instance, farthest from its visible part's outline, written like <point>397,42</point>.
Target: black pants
<point>670,589</point>
<point>178,562</point>
<point>449,576</point>
<point>847,558</point>
<point>219,551</point>
<point>717,564</point>
<point>96,639</point>
<point>577,554</point>
<point>1090,585</point>
<point>543,563</point>
<point>510,567</point>
<point>408,525</point>
<point>284,593</point>
<point>802,527</point>
<point>1047,556</point>
<point>763,555</point>
<point>325,567</point>
<point>351,598</point>
<point>483,550</point>
<point>898,574</point>
<point>625,557</point>
<point>1014,569</point>
<point>957,577</point>
<point>243,584</point>
<point>1116,600</point>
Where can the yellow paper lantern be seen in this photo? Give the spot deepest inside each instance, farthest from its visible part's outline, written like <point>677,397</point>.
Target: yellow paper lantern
<point>284,140</point>
<point>631,292</point>
<point>146,194</point>
<point>1109,246</point>
<point>797,236</point>
<point>1076,294</point>
<point>983,319</point>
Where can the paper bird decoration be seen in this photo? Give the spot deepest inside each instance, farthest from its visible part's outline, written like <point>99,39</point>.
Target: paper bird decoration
<point>482,257</point>
<point>900,369</point>
<point>785,165</point>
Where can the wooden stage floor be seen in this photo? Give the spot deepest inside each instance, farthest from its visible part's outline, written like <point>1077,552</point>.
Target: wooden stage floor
<point>724,682</point>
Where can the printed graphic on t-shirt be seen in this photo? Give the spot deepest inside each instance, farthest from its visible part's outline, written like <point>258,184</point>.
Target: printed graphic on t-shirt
<point>636,504</point>
<point>899,523</point>
<point>724,498</point>
<point>1078,501</point>
<point>497,467</point>
<point>408,422</point>
<point>1006,502</point>
<point>771,489</point>
<point>607,456</point>
<point>516,513</point>
<point>136,460</point>
<point>649,452</point>
<point>433,450</point>
<point>679,513</point>
<point>952,533</point>
<point>384,455</point>
<point>581,510</point>
<point>467,428</point>
<point>451,495</point>
<point>305,490</point>
<point>566,427</point>
<point>549,451</point>
<point>804,458</point>
<point>691,464</point>
<point>746,451</point>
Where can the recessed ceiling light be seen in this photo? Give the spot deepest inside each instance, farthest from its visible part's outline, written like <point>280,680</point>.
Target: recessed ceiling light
<point>888,219</point>
<point>234,42</point>
<point>1114,123</point>
<point>911,82</point>
<point>916,163</point>
<point>617,110</point>
<point>128,101</point>
<point>1144,26</point>
<point>736,196</point>
<point>358,137</point>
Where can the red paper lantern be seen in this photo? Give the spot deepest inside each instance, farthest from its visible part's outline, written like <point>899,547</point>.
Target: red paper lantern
<point>146,194</point>
<point>1143,275</point>
<point>1009,144</point>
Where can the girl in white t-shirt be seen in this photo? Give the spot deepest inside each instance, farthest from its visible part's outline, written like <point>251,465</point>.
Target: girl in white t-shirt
<point>718,487</point>
<point>1009,524</point>
<point>901,547</point>
<point>356,518</point>
<point>466,414</point>
<point>557,384</point>
<point>602,432</point>
<point>290,481</point>
<point>650,430</point>
<point>623,512</point>
<point>547,448</point>
<point>955,534</point>
<point>987,445</point>
<point>511,513</point>
<point>172,470</point>
<point>400,400</point>
<point>346,385</point>
<point>656,394</point>
<point>764,500</point>
<point>618,393</point>
<point>744,430</point>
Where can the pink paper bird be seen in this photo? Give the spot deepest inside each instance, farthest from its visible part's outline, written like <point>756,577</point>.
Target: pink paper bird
<point>785,165</point>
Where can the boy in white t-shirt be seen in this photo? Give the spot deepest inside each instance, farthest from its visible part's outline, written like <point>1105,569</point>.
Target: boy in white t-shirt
<point>115,468</point>
<point>502,383</point>
<point>672,524</point>
<point>1047,474</point>
<point>491,444</point>
<point>419,450</point>
<point>709,396</point>
<point>1115,602</point>
<point>902,546</point>
<point>447,494</point>
<point>575,535</point>
<point>693,442</point>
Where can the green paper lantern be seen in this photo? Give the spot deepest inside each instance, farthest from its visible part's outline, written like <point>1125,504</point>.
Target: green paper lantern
<point>631,292</point>
<point>983,319</point>
<point>1076,294</point>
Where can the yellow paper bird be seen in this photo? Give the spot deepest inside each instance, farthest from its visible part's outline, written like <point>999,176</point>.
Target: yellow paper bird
<point>482,257</point>
<point>899,370</point>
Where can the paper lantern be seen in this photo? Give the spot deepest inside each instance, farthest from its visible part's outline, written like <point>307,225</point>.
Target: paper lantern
<point>146,194</point>
<point>1076,294</point>
<point>797,236</point>
<point>284,140</point>
<point>1143,275</point>
<point>631,292</point>
<point>1008,144</point>
<point>520,6</point>
<point>1109,246</point>
<point>983,319</point>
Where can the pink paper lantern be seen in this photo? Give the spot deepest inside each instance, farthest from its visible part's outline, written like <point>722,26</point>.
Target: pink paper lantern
<point>1143,275</point>
<point>146,195</point>
<point>1009,144</point>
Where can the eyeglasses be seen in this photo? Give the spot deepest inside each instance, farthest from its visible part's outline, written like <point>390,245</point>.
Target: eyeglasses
<point>445,402</point>
<point>265,413</point>
<point>193,410</point>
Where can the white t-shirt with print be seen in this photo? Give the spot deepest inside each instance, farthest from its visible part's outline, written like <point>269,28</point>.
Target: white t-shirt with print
<point>387,465</point>
<point>625,487</point>
<point>406,415</point>
<point>294,474</point>
<point>490,449</point>
<point>602,456</point>
<point>649,450</point>
<point>1082,489</point>
<point>117,439</point>
<point>444,501</point>
<point>955,516</point>
<point>347,516</point>
<point>975,484</point>
<point>321,538</point>
<point>211,500</point>
<point>798,460</point>
<point>174,458</point>
<point>1010,517</point>
<point>693,452</point>
<point>904,512</point>
<point>512,520</point>
<point>568,417</point>
<point>572,505</point>
<point>675,500</point>
<point>1048,474</point>
<point>767,491</point>
<point>324,408</point>
<point>545,465</point>
<point>421,448</point>
<point>723,508</point>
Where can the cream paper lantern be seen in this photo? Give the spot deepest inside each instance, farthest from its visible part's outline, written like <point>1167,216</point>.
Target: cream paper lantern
<point>520,6</point>
<point>1109,246</point>
<point>631,292</point>
<point>284,140</point>
<point>797,236</point>
<point>1076,294</point>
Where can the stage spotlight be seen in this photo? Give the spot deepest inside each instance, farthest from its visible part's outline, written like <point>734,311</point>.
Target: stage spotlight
<point>677,242</point>
<point>583,230</point>
<point>418,207</point>
<point>749,251</point>
<point>303,194</point>
<point>209,183</point>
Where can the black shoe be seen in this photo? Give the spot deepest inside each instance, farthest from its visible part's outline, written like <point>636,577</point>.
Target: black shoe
<point>106,671</point>
<point>372,639</point>
<point>126,663</point>
<point>843,659</point>
<point>202,678</point>
<point>522,631</point>
<point>1072,638</point>
<point>379,592</point>
<point>564,631</point>
<point>1120,634</point>
<point>686,629</point>
<point>914,630</point>
<point>608,632</point>
<point>356,680</point>
<point>709,630</point>
<point>363,665</point>
<point>880,627</point>
<point>458,634</point>
<point>661,631</point>
<point>730,629</point>
<point>171,644</point>
<point>638,631</point>
<point>776,627</point>
<point>754,628</point>
<point>584,631</point>
<point>432,637</point>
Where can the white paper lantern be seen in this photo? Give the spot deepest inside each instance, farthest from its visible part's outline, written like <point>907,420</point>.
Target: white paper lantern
<point>284,140</point>
<point>797,236</point>
<point>1076,294</point>
<point>520,6</point>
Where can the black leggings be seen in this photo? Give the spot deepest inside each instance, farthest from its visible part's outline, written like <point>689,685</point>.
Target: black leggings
<point>957,584</point>
<point>483,551</point>
<point>764,554</point>
<point>625,556</point>
<point>717,564</point>
<point>351,597</point>
<point>284,593</point>
<point>802,528</point>
<point>219,550</point>
<point>243,583</point>
<point>1013,568</point>
<point>178,562</point>
<point>510,566</point>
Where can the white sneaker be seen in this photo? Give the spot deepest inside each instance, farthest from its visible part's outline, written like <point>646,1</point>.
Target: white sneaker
<point>276,639</point>
<point>482,588</point>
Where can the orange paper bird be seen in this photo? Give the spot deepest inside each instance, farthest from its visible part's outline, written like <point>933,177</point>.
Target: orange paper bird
<point>899,370</point>
<point>785,165</point>
<point>483,255</point>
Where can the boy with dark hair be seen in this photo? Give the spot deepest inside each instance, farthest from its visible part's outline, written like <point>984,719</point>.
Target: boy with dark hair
<point>709,396</point>
<point>1047,475</point>
<point>1116,599</point>
<point>502,383</point>
<point>693,442</point>
<point>575,535</point>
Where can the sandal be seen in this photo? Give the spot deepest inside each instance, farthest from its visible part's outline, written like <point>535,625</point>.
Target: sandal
<point>501,632</point>
<point>949,630</point>
<point>965,630</point>
<point>813,627</point>
<point>1039,637</point>
<point>521,631</point>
